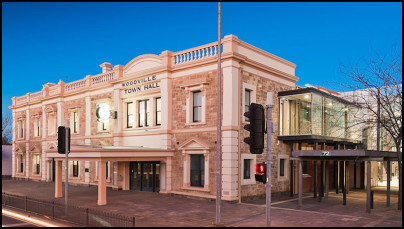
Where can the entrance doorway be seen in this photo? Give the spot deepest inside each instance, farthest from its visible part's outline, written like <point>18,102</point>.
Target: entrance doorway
<point>145,176</point>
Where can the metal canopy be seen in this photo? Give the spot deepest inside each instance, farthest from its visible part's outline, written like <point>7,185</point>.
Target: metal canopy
<point>345,154</point>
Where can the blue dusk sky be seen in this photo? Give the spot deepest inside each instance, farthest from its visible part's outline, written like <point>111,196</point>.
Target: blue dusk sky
<point>45,42</point>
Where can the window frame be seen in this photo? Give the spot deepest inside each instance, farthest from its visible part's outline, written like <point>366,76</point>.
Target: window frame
<point>157,111</point>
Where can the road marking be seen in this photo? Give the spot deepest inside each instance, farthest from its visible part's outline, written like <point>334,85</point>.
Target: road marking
<point>15,225</point>
<point>27,219</point>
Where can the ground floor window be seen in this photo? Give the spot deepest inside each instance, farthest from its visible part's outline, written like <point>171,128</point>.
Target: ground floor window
<point>21,163</point>
<point>75,168</point>
<point>37,165</point>
<point>197,170</point>
<point>282,167</point>
<point>247,169</point>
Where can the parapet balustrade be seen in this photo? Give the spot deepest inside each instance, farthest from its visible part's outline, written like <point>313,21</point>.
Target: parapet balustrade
<point>75,85</point>
<point>68,87</point>
<point>21,99</point>
<point>105,77</point>
<point>197,53</point>
<point>36,95</point>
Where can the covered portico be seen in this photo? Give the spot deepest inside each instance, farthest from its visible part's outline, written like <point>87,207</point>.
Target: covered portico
<point>342,156</point>
<point>103,154</point>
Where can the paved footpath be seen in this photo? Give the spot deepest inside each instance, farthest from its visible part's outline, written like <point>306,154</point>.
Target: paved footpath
<point>154,209</point>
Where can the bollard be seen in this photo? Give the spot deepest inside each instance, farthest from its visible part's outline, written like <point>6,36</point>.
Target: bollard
<point>133,221</point>
<point>371,199</point>
<point>26,203</point>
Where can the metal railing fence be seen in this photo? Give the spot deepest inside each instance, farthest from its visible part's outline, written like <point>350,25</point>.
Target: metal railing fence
<point>77,215</point>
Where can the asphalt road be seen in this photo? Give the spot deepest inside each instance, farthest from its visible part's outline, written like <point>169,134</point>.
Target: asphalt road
<point>7,221</point>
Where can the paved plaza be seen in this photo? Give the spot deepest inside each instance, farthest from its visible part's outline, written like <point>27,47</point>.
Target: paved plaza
<point>154,209</point>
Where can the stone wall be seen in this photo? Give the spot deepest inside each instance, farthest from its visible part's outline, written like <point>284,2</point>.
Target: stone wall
<point>264,85</point>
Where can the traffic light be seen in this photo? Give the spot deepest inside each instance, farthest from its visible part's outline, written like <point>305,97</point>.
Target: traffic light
<point>62,139</point>
<point>261,173</point>
<point>256,115</point>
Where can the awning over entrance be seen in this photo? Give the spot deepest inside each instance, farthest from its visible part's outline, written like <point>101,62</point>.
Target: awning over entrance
<point>351,154</point>
<point>103,154</point>
<point>342,155</point>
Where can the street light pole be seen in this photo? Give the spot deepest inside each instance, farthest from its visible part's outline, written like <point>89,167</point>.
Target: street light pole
<point>219,124</point>
<point>268,185</point>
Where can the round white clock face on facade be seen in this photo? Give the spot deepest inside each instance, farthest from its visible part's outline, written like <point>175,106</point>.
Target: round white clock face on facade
<point>103,113</point>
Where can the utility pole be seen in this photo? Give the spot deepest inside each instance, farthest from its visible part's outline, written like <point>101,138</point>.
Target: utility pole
<point>219,125</point>
<point>268,185</point>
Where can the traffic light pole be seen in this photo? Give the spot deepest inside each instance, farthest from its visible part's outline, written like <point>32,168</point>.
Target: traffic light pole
<point>67,129</point>
<point>268,161</point>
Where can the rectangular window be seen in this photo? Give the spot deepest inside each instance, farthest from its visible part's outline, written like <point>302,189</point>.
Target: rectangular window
<point>158,111</point>
<point>36,127</point>
<point>247,102</point>
<point>197,170</point>
<point>129,114</point>
<point>75,122</point>
<point>21,128</point>
<point>37,164</point>
<point>21,163</point>
<point>197,106</point>
<point>51,124</point>
<point>144,114</point>
<point>282,167</point>
<point>75,168</point>
<point>247,169</point>
<point>106,170</point>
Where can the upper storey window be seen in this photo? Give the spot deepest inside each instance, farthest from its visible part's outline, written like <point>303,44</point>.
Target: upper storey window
<point>37,127</point>
<point>21,129</point>
<point>197,106</point>
<point>74,121</point>
<point>129,114</point>
<point>247,98</point>
<point>51,124</point>
<point>158,111</point>
<point>144,114</point>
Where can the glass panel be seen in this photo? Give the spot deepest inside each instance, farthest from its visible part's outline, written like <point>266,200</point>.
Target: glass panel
<point>304,117</point>
<point>158,111</point>
<point>197,170</point>
<point>247,103</point>
<point>148,117</point>
<point>197,106</point>
<point>247,168</point>
<point>317,113</point>
<point>142,113</point>
<point>282,167</point>
<point>157,175</point>
<point>129,114</point>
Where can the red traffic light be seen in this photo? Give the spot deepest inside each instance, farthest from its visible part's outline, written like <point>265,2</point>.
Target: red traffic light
<point>260,168</point>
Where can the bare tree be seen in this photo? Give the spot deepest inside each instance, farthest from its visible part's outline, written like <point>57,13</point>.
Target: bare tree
<point>376,86</point>
<point>6,124</point>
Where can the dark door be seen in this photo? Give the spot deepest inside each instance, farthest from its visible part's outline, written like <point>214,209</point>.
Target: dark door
<point>145,176</point>
<point>53,169</point>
